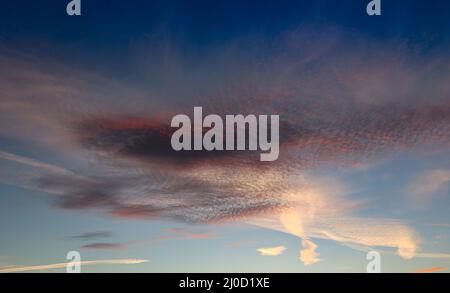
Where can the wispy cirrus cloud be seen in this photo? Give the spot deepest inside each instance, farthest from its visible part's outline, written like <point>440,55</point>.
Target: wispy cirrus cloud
<point>172,234</point>
<point>35,164</point>
<point>433,255</point>
<point>94,235</point>
<point>338,105</point>
<point>64,265</point>
<point>427,184</point>
<point>99,235</point>
<point>104,246</point>
<point>431,270</point>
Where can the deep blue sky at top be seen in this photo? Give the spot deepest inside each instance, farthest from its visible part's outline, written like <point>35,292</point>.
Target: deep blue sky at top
<point>107,23</point>
<point>105,37</point>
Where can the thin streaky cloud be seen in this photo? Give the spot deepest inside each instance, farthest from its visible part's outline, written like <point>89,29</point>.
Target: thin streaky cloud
<point>104,246</point>
<point>427,185</point>
<point>431,270</point>
<point>36,164</point>
<point>94,235</point>
<point>433,255</point>
<point>426,255</point>
<point>63,265</point>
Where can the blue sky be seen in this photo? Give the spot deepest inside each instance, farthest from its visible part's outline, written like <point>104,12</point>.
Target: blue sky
<point>364,158</point>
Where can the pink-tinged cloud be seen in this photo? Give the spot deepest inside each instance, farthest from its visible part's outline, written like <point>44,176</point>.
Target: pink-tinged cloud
<point>322,210</point>
<point>308,254</point>
<point>271,251</point>
<point>431,270</point>
<point>339,104</point>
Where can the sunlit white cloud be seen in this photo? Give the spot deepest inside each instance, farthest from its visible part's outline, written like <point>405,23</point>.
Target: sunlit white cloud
<point>322,211</point>
<point>308,254</point>
<point>271,251</point>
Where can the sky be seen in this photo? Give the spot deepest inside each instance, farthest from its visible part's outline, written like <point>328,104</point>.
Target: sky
<point>85,157</point>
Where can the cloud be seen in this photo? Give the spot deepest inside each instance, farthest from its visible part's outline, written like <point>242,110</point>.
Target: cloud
<point>104,246</point>
<point>170,234</point>
<point>433,255</point>
<point>94,235</point>
<point>322,211</point>
<point>427,185</point>
<point>35,164</point>
<point>339,104</point>
<point>308,254</point>
<point>370,232</point>
<point>271,251</point>
<point>64,265</point>
<point>431,270</point>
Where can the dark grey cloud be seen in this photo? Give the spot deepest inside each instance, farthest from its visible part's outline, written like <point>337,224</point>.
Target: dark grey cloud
<point>94,235</point>
<point>337,104</point>
<point>104,246</point>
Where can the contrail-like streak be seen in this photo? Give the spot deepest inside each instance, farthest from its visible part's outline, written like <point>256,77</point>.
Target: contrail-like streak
<point>63,265</point>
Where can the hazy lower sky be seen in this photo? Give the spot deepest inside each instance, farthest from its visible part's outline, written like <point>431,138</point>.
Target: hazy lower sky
<point>86,162</point>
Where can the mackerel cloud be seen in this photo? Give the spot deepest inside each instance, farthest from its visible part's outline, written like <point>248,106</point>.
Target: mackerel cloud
<point>109,138</point>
